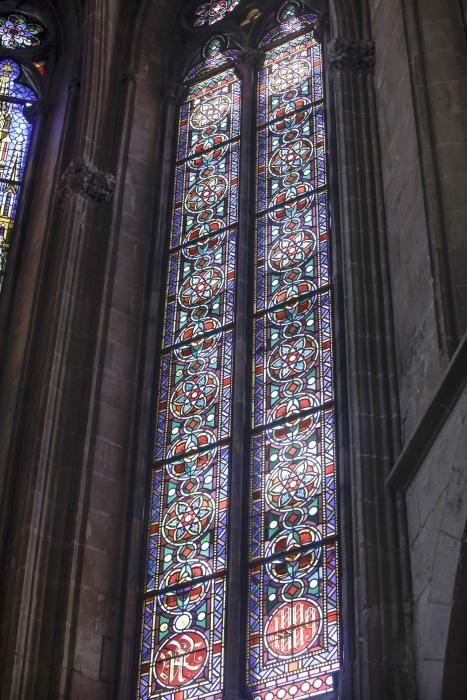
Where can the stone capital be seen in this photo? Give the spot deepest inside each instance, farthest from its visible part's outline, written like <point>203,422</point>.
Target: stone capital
<point>322,26</point>
<point>129,76</point>
<point>82,177</point>
<point>174,92</point>
<point>249,57</point>
<point>74,84</point>
<point>354,56</point>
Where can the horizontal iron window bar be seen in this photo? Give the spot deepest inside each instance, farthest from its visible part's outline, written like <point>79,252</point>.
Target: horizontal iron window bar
<point>161,463</point>
<point>313,105</point>
<point>318,292</point>
<point>226,143</point>
<point>191,583</point>
<point>215,331</point>
<point>327,405</point>
<point>302,549</point>
<point>182,246</point>
<point>312,192</point>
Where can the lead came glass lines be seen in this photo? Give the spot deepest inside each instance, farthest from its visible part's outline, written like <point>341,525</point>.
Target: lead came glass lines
<point>15,136</point>
<point>182,644</point>
<point>293,633</point>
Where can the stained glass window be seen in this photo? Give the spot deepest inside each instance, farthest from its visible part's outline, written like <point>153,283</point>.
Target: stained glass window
<point>292,641</point>
<point>213,11</point>
<point>182,652</point>
<point>293,631</point>
<point>15,135</point>
<point>16,32</point>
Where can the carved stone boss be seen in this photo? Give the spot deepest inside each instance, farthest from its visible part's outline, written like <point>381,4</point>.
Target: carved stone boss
<point>356,56</point>
<point>82,177</point>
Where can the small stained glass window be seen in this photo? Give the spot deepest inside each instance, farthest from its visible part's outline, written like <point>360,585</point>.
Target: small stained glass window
<point>287,11</point>
<point>214,47</point>
<point>17,32</point>
<point>213,11</point>
<point>15,135</point>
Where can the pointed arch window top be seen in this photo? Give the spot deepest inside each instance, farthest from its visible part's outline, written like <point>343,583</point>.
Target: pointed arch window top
<point>16,32</point>
<point>216,55</point>
<point>191,599</point>
<point>290,21</point>
<point>209,13</point>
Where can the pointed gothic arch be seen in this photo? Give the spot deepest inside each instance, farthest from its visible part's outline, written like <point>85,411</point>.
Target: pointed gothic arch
<point>347,60</point>
<point>191,195</point>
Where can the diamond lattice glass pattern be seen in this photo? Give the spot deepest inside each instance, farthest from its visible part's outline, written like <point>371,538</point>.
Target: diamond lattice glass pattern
<point>15,136</point>
<point>293,632</point>
<point>182,642</point>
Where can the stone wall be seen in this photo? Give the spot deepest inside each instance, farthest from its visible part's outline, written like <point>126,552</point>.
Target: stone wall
<point>421,92</point>
<point>422,114</point>
<point>440,83</point>
<point>419,364</point>
<point>437,515</point>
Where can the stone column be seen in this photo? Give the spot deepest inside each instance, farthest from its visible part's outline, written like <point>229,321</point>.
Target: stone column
<point>237,582</point>
<point>61,374</point>
<point>377,654</point>
<point>163,132</point>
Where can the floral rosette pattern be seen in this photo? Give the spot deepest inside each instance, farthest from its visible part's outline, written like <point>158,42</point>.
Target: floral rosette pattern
<point>16,32</point>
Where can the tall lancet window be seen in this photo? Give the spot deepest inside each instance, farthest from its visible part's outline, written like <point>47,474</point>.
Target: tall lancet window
<point>182,653</point>
<point>293,600</point>
<point>289,618</point>
<point>18,36</point>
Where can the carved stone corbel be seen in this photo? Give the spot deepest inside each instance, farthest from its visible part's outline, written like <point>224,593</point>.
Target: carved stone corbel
<point>355,56</point>
<point>321,28</point>
<point>74,84</point>
<point>82,177</point>
<point>174,92</point>
<point>129,76</point>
